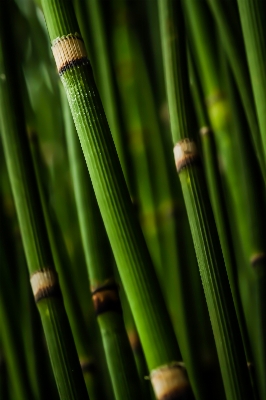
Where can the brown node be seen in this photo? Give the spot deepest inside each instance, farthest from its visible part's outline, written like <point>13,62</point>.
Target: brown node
<point>45,284</point>
<point>185,153</point>
<point>106,298</point>
<point>170,382</point>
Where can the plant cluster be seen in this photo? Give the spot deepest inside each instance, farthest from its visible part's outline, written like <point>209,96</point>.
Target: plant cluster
<point>133,171</point>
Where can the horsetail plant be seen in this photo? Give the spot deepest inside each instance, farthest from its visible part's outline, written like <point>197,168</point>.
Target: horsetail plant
<point>125,67</point>
<point>62,263</point>
<point>129,248</point>
<point>97,228</point>
<point>104,289</point>
<point>44,281</point>
<point>97,37</point>
<point>254,33</point>
<point>217,199</point>
<point>11,337</point>
<point>148,152</point>
<point>237,176</point>
<point>251,232</point>
<point>234,48</point>
<point>214,279</point>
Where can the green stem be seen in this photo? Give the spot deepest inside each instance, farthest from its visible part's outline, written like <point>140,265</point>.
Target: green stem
<point>63,267</point>
<point>252,15</point>
<point>129,248</point>
<point>214,279</point>
<point>11,336</point>
<point>218,202</point>
<point>45,287</point>
<point>233,45</point>
<point>106,300</point>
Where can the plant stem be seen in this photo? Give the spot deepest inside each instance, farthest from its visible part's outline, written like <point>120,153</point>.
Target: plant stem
<point>104,290</point>
<point>62,264</point>
<point>127,242</point>
<point>252,13</point>
<point>214,279</point>
<point>44,282</point>
<point>234,48</point>
<point>218,201</point>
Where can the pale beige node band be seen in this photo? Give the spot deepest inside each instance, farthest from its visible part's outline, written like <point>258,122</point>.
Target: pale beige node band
<point>67,50</point>
<point>185,153</point>
<point>169,381</point>
<point>44,283</point>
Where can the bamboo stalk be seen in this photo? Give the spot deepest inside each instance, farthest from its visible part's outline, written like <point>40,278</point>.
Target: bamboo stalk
<point>206,242</point>
<point>132,258</point>
<point>44,281</point>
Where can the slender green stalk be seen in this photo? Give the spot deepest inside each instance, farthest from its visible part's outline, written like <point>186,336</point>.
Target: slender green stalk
<point>233,45</point>
<point>11,337</point>
<point>129,248</point>
<point>251,231</point>
<point>4,393</point>
<point>180,269</point>
<point>206,242</point>
<point>125,57</point>
<point>36,356</point>
<point>218,202</point>
<point>252,15</point>
<point>106,81</point>
<point>172,271</point>
<point>239,177</point>
<point>104,290</point>
<point>44,283</point>
<point>62,263</point>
